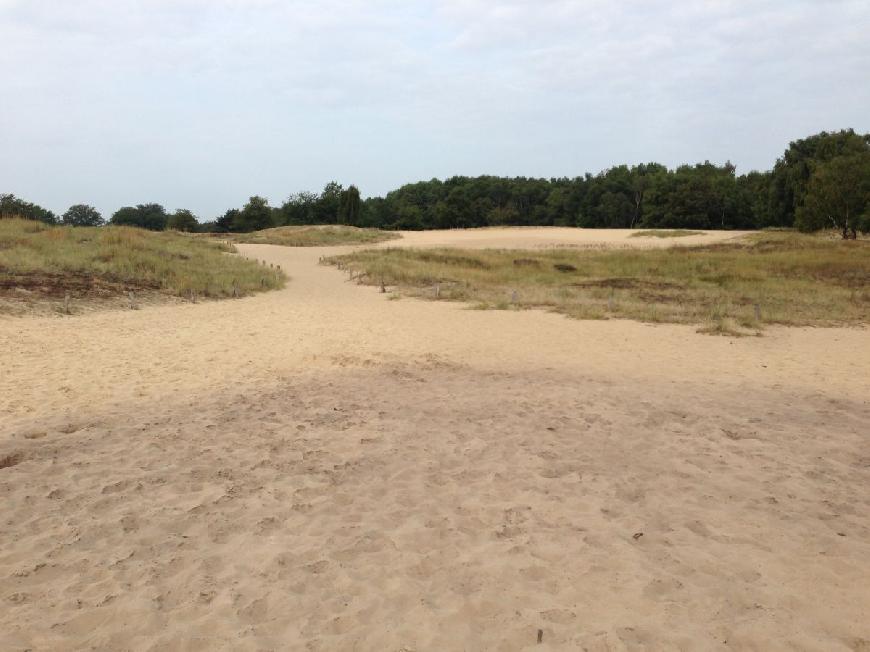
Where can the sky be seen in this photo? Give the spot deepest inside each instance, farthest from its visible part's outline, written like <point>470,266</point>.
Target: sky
<point>200,104</point>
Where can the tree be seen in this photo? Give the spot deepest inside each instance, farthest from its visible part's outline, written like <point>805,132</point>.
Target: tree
<point>755,190</point>
<point>255,216</point>
<point>501,215</point>
<point>326,209</point>
<point>299,208</point>
<point>12,206</point>
<point>125,216</point>
<point>82,215</point>
<point>791,173</point>
<point>349,207</point>
<point>697,196</point>
<point>702,196</point>
<point>182,220</point>
<point>838,196</point>
<point>209,227</point>
<point>224,224</point>
<point>145,216</point>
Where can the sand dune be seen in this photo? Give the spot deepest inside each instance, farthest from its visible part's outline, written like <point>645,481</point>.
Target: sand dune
<point>322,468</point>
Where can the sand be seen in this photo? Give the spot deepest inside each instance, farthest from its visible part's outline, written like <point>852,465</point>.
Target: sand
<point>533,237</point>
<point>323,468</point>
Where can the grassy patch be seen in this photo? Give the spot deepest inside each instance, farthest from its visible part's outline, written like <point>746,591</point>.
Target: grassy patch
<point>659,233</point>
<point>44,263</point>
<point>311,236</point>
<point>770,278</point>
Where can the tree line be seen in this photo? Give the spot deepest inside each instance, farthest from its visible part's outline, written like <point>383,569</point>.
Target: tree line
<point>822,181</point>
<point>146,216</point>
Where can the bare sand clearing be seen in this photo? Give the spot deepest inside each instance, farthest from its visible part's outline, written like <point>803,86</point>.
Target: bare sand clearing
<point>322,468</point>
<point>532,237</point>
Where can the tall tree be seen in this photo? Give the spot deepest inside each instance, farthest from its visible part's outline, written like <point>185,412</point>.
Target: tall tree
<point>300,208</point>
<point>225,223</point>
<point>326,209</point>
<point>791,173</point>
<point>145,216</point>
<point>82,215</point>
<point>838,196</point>
<point>255,216</point>
<point>182,220</point>
<point>349,207</point>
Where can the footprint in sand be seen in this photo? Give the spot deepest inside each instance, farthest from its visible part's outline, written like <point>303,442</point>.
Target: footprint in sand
<point>11,459</point>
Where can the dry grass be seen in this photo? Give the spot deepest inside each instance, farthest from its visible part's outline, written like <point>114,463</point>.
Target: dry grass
<point>769,278</point>
<point>41,263</point>
<point>659,233</point>
<point>311,236</point>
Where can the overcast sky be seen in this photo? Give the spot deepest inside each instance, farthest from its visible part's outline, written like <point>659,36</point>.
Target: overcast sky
<point>201,103</point>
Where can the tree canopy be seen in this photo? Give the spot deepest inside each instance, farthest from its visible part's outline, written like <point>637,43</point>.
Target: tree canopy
<point>790,177</point>
<point>809,187</point>
<point>82,215</point>
<point>146,216</point>
<point>182,220</point>
<point>650,195</point>
<point>12,206</point>
<point>256,215</point>
<point>838,195</point>
<point>349,206</point>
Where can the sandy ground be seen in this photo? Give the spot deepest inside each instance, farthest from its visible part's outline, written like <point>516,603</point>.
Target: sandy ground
<point>322,468</point>
<point>532,237</point>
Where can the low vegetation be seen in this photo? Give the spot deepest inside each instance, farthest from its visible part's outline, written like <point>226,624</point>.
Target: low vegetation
<point>737,287</point>
<point>41,263</point>
<point>311,236</point>
<point>659,233</point>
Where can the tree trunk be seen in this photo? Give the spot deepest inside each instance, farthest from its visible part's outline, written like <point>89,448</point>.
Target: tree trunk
<point>638,198</point>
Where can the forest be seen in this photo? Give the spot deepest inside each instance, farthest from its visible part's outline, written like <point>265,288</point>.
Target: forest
<point>819,182</point>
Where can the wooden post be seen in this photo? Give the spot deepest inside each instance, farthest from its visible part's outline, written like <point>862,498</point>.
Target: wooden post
<point>66,307</point>
<point>132,299</point>
<point>757,312</point>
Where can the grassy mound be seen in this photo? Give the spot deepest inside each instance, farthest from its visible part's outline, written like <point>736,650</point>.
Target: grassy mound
<point>770,278</point>
<point>312,236</point>
<point>39,262</point>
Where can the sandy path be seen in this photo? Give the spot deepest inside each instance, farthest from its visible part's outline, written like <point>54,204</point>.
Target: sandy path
<point>321,467</point>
